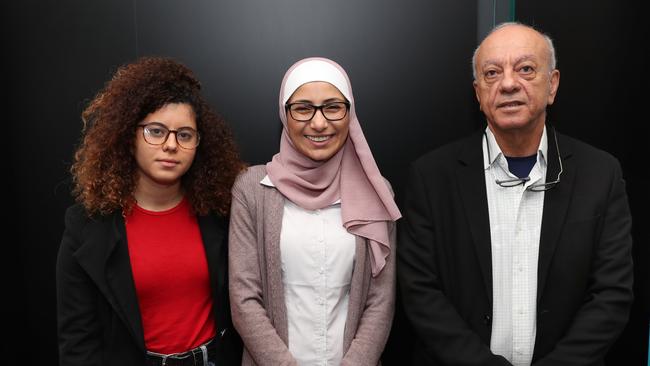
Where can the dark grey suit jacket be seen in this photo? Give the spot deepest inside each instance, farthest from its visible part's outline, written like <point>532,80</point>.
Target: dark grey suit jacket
<point>584,290</point>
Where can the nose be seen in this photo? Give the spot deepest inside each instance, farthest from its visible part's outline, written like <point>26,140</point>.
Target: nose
<point>170,144</point>
<point>318,123</point>
<point>509,82</point>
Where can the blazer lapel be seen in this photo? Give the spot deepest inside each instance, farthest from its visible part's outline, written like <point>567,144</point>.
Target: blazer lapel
<point>106,260</point>
<point>359,287</point>
<point>556,203</point>
<point>471,182</point>
<point>120,279</point>
<point>212,235</point>
<point>273,210</point>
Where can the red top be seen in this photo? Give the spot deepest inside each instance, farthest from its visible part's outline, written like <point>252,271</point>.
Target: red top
<point>171,277</point>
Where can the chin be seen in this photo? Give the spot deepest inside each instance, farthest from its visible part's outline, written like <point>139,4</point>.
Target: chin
<point>167,181</point>
<point>512,124</point>
<point>319,157</point>
<point>318,154</point>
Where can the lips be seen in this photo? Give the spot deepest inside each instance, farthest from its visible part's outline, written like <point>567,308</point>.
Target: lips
<point>168,162</point>
<point>510,104</point>
<point>318,138</point>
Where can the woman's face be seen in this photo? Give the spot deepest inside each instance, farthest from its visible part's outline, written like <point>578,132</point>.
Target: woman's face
<point>165,164</point>
<point>318,138</point>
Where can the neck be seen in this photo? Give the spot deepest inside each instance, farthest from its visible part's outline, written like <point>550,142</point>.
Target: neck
<point>158,197</point>
<point>519,142</point>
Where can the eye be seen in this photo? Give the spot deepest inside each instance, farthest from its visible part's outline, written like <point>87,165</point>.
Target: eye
<point>185,135</point>
<point>527,72</point>
<point>491,74</point>
<point>333,107</point>
<point>156,131</point>
<point>526,69</point>
<point>302,108</point>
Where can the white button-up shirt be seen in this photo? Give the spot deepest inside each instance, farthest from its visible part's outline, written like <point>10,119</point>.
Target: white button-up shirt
<point>515,222</point>
<point>317,256</point>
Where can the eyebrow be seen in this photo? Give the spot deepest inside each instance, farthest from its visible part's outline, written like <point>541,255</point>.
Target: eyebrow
<point>330,100</point>
<point>517,60</point>
<point>167,127</point>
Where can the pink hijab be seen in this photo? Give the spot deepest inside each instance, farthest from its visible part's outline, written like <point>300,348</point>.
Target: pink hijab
<point>351,175</point>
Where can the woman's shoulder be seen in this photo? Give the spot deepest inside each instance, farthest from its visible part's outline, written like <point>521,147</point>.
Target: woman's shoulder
<point>77,216</point>
<point>81,225</point>
<point>250,177</point>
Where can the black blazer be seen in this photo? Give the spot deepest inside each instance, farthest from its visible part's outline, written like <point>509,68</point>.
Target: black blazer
<point>98,313</point>
<point>584,279</point>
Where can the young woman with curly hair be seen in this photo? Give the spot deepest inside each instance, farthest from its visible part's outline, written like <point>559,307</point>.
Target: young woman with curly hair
<point>142,267</point>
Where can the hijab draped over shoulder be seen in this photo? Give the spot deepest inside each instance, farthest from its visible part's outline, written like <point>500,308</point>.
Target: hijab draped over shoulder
<point>351,175</point>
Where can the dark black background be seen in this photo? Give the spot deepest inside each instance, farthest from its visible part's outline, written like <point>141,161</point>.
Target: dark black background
<point>409,62</point>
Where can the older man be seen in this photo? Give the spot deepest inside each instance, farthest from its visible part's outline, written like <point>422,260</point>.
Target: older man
<point>515,246</point>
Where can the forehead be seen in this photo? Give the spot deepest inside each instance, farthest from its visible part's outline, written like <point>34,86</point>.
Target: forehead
<point>512,43</point>
<point>316,91</point>
<point>314,70</point>
<point>173,115</point>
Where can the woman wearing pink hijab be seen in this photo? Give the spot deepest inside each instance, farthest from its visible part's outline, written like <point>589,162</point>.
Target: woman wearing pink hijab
<point>312,245</point>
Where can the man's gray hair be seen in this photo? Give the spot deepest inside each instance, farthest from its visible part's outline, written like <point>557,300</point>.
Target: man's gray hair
<point>549,42</point>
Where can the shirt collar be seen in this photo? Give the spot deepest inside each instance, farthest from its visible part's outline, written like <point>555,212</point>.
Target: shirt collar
<point>495,150</point>
<point>267,182</point>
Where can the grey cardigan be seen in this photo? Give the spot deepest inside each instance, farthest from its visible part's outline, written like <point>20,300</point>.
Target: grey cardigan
<point>257,293</point>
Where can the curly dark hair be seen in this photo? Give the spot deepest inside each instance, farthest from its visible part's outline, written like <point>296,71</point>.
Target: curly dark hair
<point>105,171</point>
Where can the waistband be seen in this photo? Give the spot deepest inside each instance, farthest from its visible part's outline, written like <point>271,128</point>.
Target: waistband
<point>198,356</point>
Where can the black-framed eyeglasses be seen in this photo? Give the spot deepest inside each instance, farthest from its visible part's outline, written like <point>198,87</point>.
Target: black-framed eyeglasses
<point>156,133</point>
<point>304,112</point>
<point>538,187</point>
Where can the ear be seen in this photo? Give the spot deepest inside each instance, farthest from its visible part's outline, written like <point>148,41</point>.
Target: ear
<point>554,85</point>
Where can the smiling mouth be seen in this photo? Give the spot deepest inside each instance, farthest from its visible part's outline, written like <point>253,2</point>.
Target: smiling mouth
<point>318,138</point>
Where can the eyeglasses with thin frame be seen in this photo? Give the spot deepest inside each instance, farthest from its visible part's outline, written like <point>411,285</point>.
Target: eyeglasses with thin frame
<point>304,112</point>
<point>156,133</point>
<point>538,187</point>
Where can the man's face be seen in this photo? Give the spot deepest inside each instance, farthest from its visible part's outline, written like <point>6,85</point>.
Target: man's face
<point>514,83</point>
